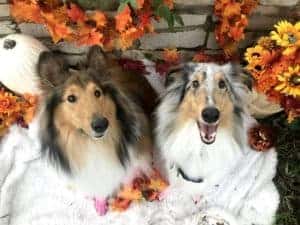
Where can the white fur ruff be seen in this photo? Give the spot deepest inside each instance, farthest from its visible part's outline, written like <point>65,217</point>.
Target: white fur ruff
<point>237,185</point>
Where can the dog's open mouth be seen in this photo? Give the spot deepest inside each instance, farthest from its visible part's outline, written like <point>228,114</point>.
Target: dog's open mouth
<point>208,132</point>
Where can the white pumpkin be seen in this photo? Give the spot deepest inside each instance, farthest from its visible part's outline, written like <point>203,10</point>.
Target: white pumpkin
<point>19,55</point>
<point>260,107</point>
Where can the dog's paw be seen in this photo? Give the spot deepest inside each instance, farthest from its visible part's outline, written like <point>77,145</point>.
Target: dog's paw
<point>216,216</point>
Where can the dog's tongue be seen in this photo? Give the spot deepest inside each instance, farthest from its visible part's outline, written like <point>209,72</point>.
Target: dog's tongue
<point>208,132</point>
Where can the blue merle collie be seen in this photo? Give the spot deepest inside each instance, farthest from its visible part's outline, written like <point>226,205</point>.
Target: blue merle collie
<point>96,127</point>
<point>202,125</point>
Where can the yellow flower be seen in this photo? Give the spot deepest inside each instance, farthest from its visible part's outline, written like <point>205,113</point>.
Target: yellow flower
<point>287,36</point>
<point>267,43</point>
<point>289,82</point>
<point>254,55</point>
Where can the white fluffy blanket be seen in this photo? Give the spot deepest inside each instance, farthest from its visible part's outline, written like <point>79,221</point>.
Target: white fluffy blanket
<point>33,193</point>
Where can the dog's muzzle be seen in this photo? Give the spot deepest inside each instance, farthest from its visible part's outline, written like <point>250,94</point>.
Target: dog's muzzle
<point>208,124</point>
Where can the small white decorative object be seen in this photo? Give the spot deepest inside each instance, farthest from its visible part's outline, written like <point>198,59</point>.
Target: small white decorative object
<point>19,55</point>
<point>260,107</point>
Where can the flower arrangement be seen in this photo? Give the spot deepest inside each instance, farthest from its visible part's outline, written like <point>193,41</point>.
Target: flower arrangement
<point>67,21</point>
<point>232,21</point>
<point>15,109</point>
<point>275,66</point>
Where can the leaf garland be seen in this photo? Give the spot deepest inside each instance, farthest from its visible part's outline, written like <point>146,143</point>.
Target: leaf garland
<point>67,21</point>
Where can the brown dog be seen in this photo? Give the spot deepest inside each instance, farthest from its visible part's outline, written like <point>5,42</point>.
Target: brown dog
<point>96,128</point>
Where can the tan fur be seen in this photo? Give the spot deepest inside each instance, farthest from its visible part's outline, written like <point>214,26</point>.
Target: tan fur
<point>71,117</point>
<point>194,102</point>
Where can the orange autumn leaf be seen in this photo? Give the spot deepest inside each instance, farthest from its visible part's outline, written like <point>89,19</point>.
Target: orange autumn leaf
<point>140,3</point>
<point>130,193</point>
<point>27,11</point>
<point>129,36</point>
<point>99,18</point>
<point>76,14</point>
<point>120,204</point>
<point>231,10</point>
<point>171,56</point>
<point>16,109</point>
<point>157,183</point>
<point>123,19</point>
<point>90,37</point>
<point>169,3</point>
<point>248,6</point>
<point>56,23</point>
<point>237,31</point>
<point>201,57</point>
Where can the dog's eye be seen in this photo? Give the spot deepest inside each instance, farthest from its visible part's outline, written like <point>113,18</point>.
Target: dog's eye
<point>97,93</point>
<point>222,84</point>
<point>72,98</point>
<point>195,84</point>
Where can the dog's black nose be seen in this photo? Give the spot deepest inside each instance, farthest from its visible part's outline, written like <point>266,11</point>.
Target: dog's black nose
<point>210,114</point>
<point>99,125</point>
<point>9,44</point>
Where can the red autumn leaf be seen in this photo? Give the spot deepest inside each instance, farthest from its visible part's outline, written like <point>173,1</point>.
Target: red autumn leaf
<point>76,14</point>
<point>123,19</point>
<point>136,66</point>
<point>144,19</point>
<point>162,68</point>
<point>202,57</point>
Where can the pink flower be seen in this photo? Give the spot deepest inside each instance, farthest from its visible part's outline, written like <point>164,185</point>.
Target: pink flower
<point>101,206</point>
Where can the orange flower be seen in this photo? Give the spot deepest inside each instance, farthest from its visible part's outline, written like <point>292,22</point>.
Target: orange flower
<point>171,56</point>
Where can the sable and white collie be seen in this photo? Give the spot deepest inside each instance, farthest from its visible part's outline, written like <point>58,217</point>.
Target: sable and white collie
<point>95,127</point>
<point>202,125</point>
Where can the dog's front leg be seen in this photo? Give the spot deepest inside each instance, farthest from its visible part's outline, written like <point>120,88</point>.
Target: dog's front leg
<point>260,208</point>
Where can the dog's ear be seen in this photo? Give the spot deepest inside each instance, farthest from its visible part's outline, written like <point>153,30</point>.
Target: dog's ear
<point>239,74</point>
<point>52,69</point>
<point>96,58</point>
